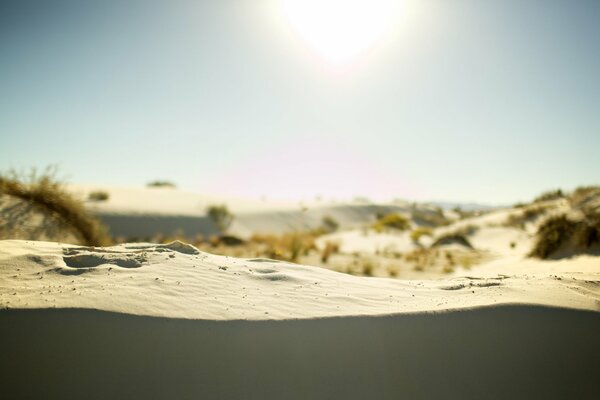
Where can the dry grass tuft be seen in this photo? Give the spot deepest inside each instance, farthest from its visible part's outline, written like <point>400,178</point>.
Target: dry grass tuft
<point>98,195</point>
<point>566,234</point>
<point>528,214</point>
<point>452,238</point>
<point>391,221</point>
<point>416,234</point>
<point>220,216</point>
<point>549,196</point>
<point>47,195</point>
<point>329,249</point>
<point>286,247</point>
<point>161,184</point>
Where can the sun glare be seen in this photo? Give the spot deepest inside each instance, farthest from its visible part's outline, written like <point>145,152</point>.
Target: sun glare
<point>340,30</point>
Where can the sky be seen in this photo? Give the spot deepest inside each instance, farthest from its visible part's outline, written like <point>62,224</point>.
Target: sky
<point>463,100</point>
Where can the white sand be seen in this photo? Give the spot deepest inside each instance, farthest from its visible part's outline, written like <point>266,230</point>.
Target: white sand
<point>145,212</point>
<point>168,321</point>
<point>178,281</point>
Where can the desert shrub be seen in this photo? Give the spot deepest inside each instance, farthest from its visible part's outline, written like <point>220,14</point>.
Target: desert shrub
<point>47,195</point>
<point>226,240</point>
<point>451,238</point>
<point>422,258</point>
<point>549,195</point>
<point>329,249</point>
<point>586,198</point>
<point>430,218</point>
<point>329,224</point>
<point>161,184</point>
<point>562,232</point>
<point>551,235</point>
<point>220,216</point>
<point>529,214</point>
<point>416,234</point>
<point>98,195</point>
<point>368,268</point>
<point>466,230</point>
<point>286,247</point>
<point>392,221</point>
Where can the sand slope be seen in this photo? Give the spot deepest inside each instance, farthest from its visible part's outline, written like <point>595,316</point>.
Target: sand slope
<point>168,321</point>
<point>509,352</point>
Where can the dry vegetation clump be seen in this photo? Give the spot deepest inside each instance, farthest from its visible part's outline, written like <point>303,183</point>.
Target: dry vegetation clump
<point>586,198</point>
<point>329,249</point>
<point>329,224</point>
<point>446,260</point>
<point>286,247</point>
<point>416,234</point>
<point>98,195</point>
<point>452,238</point>
<point>465,214</point>
<point>161,184</point>
<point>529,214</point>
<point>391,221</point>
<point>466,230</point>
<point>422,258</point>
<point>571,236</point>
<point>226,240</point>
<point>220,216</point>
<point>430,218</point>
<point>48,196</point>
<point>549,196</point>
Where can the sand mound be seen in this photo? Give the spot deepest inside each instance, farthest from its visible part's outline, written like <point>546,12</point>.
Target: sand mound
<point>168,321</point>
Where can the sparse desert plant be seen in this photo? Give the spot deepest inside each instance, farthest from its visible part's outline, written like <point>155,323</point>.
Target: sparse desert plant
<point>430,218</point>
<point>220,216</point>
<point>392,221</point>
<point>368,268</point>
<point>586,198</point>
<point>451,238</point>
<point>466,230</point>
<point>161,184</point>
<point>329,249</point>
<point>448,268</point>
<point>225,240</point>
<point>528,214</point>
<point>48,196</point>
<point>416,234</point>
<point>329,224</point>
<point>564,233</point>
<point>549,195</point>
<point>98,195</point>
<point>551,235</point>
<point>422,258</point>
<point>287,247</point>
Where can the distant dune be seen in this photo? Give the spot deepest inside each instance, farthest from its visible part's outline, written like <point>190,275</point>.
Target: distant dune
<point>147,212</point>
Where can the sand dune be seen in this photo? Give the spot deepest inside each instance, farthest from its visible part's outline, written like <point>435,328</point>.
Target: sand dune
<point>168,321</point>
<point>147,212</point>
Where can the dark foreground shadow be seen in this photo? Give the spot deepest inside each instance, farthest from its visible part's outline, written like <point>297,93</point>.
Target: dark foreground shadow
<point>489,353</point>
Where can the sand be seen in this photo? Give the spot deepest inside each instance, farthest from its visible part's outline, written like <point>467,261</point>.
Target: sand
<point>168,321</point>
<point>144,213</point>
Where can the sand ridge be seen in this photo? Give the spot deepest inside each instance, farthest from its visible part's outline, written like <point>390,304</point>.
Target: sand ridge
<point>176,280</point>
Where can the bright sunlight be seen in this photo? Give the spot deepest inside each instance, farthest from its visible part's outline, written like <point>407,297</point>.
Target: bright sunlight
<point>340,30</point>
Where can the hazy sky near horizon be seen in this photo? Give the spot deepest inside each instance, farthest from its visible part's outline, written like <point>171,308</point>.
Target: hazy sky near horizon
<point>466,100</point>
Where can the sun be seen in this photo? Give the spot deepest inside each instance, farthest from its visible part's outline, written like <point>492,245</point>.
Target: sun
<point>340,30</point>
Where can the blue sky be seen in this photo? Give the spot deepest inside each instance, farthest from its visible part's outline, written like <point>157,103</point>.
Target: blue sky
<point>466,100</point>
